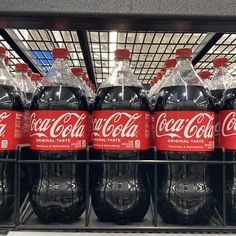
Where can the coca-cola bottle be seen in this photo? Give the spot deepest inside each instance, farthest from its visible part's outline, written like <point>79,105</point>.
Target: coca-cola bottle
<point>205,76</point>
<point>59,131</point>
<point>184,125</point>
<point>120,191</point>
<point>11,113</point>
<point>228,142</point>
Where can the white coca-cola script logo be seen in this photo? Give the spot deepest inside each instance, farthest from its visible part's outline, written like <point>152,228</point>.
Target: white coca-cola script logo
<point>3,117</point>
<point>229,125</point>
<point>187,128</point>
<point>62,126</point>
<point>118,124</point>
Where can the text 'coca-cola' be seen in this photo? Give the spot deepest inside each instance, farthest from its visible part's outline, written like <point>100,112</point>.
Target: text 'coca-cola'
<point>228,129</point>
<point>184,130</point>
<point>10,129</point>
<point>58,130</point>
<point>121,130</point>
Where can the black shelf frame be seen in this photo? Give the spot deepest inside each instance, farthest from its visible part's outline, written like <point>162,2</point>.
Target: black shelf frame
<point>218,221</point>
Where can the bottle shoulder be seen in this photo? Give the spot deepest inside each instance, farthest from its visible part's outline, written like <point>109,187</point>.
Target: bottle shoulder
<point>121,97</point>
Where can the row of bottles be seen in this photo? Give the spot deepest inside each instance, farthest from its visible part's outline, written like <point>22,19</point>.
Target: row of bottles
<point>56,120</point>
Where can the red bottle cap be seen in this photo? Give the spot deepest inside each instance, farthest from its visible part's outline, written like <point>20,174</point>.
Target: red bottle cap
<point>2,51</point>
<point>77,70</point>
<point>158,75</point>
<point>6,60</point>
<point>154,79</point>
<point>29,73</point>
<point>35,76</point>
<point>220,61</point>
<point>163,70</point>
<point>60,53</point>
<point>21,67</point>
<point>204,74</point>
<point>170,63</point>
<point>184,52</point>
<point>122,54</point>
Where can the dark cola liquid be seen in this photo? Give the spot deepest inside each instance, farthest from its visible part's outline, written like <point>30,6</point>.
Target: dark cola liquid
<point>120,191</point>
<point>185,191</point>
<point>218,169</point>
<point>229,103</point>
<point>57,190</point>
<point>9,100</point>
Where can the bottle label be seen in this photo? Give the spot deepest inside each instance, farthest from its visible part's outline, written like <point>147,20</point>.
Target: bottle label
<point>10,129</point>
<point>228,129</point>
<point>26,127</point>
<point>121,130</point>
<point>185,131</point>
<point>58,130</point>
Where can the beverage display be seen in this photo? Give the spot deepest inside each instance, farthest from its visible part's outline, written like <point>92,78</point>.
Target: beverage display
<point>184,126</point>
<point>11,113</point>
<point>205,76</point>
<point>59,131</point>
<point>121,115</point>
<point>228,142</point>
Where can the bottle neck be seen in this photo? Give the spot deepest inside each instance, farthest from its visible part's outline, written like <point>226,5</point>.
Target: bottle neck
<point>61,63</point>
<point>221,78</point>
<point>122,64</point>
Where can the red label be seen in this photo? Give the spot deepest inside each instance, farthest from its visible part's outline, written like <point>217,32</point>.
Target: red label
<point>26,127</point>
<point>121,130</point>
<point>217,129</point>
<point>228,129</point>
<point>152,122</point>
<point>58,130</point>
<point>10,129</point>
<point>188,131</point>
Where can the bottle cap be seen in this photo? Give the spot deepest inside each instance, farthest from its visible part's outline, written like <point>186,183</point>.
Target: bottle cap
<point>163,70</point>
<point>184,52</point>
<point>220,61</point>
<point>35,76</point>
<point>122,54</point>
<point>204,74</point>
<point>21,67</point>
<point>60,53</point>
<point>6,60</point>
<point>158,75</point>
<point>2,51</point>
<point>170,63</point>
<point>77,70</point>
